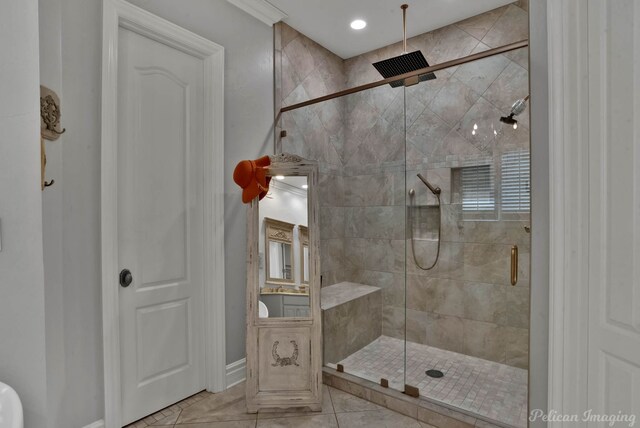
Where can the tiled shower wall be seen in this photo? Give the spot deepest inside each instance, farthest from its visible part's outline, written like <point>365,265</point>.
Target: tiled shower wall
<point>466,303</point>
<point>306,70</point>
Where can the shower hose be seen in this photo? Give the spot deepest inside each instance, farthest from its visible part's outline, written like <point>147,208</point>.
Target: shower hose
<point>413,249</point>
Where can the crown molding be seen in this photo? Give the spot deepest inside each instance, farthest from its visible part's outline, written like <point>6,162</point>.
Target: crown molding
<point>260,9</point>
<point>284,187</point>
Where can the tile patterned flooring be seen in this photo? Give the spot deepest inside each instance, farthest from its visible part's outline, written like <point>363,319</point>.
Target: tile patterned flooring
<point>491,390</point>
<point>227,410</point>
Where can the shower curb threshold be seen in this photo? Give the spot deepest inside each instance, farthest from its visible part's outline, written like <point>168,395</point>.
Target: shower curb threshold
<point>424,409</point>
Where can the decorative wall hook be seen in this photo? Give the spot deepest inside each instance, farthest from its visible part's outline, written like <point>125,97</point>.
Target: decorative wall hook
<point>49,126</point>
<point>43,166</point>
<point>50,114</point>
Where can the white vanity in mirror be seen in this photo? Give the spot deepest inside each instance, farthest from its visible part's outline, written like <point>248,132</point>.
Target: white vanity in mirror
<point>284,356</point>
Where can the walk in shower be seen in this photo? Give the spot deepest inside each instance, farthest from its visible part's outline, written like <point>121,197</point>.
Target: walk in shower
<point>424,218</point>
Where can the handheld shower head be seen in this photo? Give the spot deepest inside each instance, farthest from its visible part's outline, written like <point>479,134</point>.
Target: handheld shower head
<point>516,109</point>
<point>435,190</point>
<point>509,120</point>
<point>519,106</point>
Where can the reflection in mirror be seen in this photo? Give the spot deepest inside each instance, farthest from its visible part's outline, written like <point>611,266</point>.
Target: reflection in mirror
<point>305,254</point>
<point>279,238</point>
<point>280,260</point>
<point>303,234</point>
<point>284,248</point>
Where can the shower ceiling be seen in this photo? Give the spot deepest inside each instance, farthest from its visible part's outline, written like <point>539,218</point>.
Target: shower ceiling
<point>327,21</point>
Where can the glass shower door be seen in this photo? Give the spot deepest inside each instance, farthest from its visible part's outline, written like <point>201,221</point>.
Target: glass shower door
<point>467,315</point>
<point>365,330</point>
<point>359,142</point>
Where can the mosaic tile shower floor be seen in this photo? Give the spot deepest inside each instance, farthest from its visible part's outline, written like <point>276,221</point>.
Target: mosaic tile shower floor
<point>485,388</point>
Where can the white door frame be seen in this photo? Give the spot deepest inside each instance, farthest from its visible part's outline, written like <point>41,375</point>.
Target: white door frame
<point>580,112</point>
<point>119,13</point>
<point>579,116</point>
<point>568,205</point>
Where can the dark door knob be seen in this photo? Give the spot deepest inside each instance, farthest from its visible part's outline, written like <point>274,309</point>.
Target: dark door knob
<point>126,278</point>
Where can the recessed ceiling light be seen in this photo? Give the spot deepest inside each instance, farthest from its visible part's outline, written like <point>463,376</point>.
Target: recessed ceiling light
<point>279,177</point>
<point>305,186</point>
<point>358,24</point>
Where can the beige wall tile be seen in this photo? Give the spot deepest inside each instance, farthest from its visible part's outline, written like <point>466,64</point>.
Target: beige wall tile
<point>517,352</point>
<point>484,340</point>
<point>517,307</point>
<point>479,25</point>
<point>485,302</point>
<point>512,26</point>
<point>445,332</point>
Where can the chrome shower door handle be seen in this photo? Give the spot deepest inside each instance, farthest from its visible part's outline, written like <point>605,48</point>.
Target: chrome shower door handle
<point>514,265</point>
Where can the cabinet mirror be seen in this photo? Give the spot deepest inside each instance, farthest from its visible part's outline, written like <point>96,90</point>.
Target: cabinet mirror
<point>284,248</point>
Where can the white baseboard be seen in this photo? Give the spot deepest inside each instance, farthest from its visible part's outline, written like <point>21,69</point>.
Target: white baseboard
<point>96,424</point>
<point>236,372</point>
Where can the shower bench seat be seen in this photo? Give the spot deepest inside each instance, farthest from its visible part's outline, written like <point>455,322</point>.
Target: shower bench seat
<point>351,318</point>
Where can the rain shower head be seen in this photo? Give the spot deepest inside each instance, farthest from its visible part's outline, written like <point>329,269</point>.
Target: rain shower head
<point>402,64</point>
<point>405,63</point>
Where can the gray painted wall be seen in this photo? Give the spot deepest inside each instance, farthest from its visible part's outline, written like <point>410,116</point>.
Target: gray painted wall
<point>539,329</point>
<point>22,323</point>
<point>71,33</point>
<point>51,76</point>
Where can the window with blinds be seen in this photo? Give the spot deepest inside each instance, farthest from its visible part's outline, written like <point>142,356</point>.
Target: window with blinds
<point>515,189</point>
<point>478,189</point>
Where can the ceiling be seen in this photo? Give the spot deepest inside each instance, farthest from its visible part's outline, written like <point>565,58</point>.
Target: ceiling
<point>291,181</point>
<point>327,21</point>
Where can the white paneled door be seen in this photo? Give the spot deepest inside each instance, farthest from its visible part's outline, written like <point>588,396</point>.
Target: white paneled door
<point>614,208</point>
<point>160,218</point>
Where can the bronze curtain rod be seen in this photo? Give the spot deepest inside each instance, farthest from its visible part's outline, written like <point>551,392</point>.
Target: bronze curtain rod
<point>431,69</point>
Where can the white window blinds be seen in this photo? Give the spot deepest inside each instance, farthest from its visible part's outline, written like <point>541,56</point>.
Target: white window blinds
<point>478,188</point>
<point>515,183</point>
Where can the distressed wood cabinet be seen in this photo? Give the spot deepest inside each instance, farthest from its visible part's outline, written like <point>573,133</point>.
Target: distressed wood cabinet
<point>284,355</point>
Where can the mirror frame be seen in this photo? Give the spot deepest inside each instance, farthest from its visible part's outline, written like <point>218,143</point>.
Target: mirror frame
<point>287,229</point>
<point>308,330</point>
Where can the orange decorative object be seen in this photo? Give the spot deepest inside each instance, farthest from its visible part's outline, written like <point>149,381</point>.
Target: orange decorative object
<point>251,176</point>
